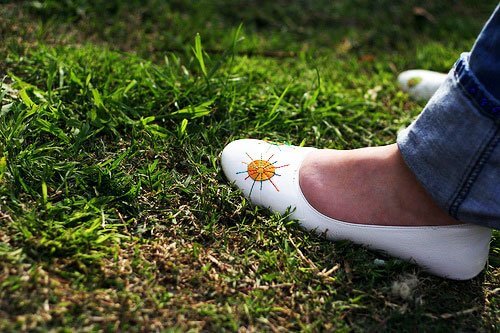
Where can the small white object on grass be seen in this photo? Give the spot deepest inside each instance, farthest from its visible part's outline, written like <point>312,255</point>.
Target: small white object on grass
<point>420,84</point>
<point>404,287</point>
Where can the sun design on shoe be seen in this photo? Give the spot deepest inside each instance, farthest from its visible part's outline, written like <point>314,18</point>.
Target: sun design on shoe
<point>260,170</point>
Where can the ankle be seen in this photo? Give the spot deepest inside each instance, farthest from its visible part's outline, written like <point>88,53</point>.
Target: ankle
<point>368,186</point>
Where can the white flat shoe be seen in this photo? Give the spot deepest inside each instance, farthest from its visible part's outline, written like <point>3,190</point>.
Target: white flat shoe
<point>268,174</point>
<point>420,84</point>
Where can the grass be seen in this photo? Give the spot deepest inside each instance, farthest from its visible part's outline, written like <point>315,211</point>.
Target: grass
<point>114,214</point>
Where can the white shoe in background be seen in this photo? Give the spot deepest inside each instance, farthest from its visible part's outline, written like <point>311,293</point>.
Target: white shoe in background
<point>420,84</point>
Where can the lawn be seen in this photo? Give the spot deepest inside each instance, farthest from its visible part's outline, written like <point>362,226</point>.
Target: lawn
<point>114,212</point>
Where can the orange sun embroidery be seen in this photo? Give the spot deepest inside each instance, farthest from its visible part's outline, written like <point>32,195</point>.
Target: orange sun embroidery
<point>261,170</point>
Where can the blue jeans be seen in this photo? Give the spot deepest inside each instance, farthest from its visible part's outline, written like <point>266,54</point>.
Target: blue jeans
<point>453,146</point>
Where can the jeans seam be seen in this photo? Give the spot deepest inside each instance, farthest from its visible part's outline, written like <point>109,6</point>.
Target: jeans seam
<point>473,90</point>
<point>474,171</point>
<point>496,121</point>
<point>466,173</point>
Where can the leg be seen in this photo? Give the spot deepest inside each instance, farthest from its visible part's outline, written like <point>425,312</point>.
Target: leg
<point>453,147</point>
<point>336,182</point>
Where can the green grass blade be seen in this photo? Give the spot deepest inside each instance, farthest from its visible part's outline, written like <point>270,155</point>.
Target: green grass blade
<point>198,52</point>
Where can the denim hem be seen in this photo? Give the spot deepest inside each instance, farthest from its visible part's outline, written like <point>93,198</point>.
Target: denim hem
<point>487,105</point>
<point>485,102</point>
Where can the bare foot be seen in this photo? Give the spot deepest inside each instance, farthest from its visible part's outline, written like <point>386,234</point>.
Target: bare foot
<point>368,186</point>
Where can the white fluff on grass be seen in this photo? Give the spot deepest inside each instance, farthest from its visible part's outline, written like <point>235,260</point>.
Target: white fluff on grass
<point>405,287</point>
